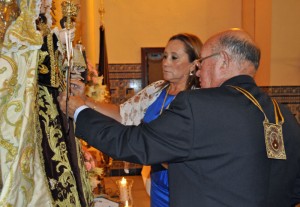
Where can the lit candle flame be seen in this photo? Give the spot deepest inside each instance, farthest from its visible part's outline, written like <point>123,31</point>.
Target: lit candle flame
<point>123,181</point>
<point>126,204</point>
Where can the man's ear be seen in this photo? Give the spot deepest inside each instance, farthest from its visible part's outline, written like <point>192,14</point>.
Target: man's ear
<point>226,59</point>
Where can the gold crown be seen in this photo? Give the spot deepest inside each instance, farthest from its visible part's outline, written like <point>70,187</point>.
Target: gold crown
<point>69,10</point>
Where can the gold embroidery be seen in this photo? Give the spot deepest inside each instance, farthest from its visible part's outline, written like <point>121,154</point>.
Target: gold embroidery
<point>42,56</point>
<point>26,158</point>
<point>3,69</point>
<point>27,171</point>
<point>39,134</point>
<point>12,150</point>
<point>10,84</point>
<point>17,102</point>
<point>10,177</point>
<point>43,69</point>
<point>85,182</point>
<point>17,132</point>
<point>24,28</point>
<point>18,107</point>
<point>18,123</point>
<point>9,11</point>
<point>54,135</point>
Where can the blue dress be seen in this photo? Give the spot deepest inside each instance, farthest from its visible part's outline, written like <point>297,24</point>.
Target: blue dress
<point>159,175</point>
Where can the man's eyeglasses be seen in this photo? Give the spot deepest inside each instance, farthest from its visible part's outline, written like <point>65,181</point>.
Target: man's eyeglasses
<point>209,56</point>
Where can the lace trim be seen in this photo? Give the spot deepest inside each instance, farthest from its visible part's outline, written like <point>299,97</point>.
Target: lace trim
<point>133,110</point>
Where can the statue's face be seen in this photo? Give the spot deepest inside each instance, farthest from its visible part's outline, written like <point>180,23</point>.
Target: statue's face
<point>9,11</point>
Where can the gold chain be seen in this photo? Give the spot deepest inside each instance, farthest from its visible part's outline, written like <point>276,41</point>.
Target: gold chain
<point>162,107</point>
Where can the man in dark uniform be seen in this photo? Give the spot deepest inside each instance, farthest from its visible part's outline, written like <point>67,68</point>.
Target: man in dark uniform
<point>227,144</point>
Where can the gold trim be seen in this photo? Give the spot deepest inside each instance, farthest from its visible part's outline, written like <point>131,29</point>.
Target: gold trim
<point>53,63</point>
<point>11,83</point>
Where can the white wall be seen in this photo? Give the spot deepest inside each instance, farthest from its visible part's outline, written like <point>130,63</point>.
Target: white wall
<point>285,52</point>
<point>133,24</point>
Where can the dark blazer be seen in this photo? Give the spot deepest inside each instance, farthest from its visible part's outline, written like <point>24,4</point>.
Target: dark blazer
<point>213,140</point>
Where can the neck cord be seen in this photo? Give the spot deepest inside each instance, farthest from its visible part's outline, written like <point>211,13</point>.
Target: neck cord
<point>162,107</point>
<point>273,132</point>
<point>277,111</point>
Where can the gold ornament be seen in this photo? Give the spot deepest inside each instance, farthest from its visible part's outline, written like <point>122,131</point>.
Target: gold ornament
<point>70,11</point>
<point>9,11</point>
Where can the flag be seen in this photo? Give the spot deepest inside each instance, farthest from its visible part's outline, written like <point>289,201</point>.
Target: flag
<point>103,62</point>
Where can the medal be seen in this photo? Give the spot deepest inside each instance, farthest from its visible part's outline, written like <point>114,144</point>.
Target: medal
<point>273,132</point>
<point>274,141</point>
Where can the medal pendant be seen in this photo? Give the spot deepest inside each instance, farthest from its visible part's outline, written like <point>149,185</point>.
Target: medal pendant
<point>274,141</point>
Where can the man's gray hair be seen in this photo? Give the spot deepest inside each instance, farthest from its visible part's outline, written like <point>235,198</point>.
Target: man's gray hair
<point>240,49</point>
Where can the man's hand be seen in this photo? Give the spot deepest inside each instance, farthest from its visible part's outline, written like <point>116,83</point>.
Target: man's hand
<point>74,103</point>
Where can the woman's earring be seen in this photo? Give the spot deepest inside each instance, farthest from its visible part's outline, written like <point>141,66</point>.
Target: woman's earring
<point>191,73</point>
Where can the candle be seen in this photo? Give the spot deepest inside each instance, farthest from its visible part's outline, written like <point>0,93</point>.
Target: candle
<point>126,204</point>
<point>123,190</point>
<point>67,47</point>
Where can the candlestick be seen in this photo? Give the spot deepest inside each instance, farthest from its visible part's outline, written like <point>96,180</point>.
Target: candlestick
<point>125,186</point>
<point>123,190</point>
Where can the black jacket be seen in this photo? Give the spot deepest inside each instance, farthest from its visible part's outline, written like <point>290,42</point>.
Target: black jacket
<point>213,140</point>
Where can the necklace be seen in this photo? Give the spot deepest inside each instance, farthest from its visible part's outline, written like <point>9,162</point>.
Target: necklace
<point>162,107</point>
